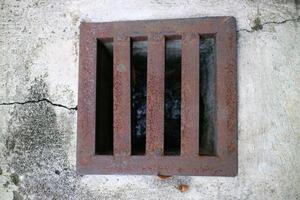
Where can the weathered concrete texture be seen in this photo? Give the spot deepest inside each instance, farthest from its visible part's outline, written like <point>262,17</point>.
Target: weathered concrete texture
<point>38,95</point>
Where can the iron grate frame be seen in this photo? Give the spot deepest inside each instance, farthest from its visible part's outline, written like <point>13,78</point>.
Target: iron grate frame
<point>189,162</point>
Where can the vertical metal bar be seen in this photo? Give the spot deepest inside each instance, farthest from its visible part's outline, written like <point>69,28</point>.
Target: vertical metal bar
<point>226,91</point>
<point>190,95</point>
<point>155,95</point>
<point>121,90</point>
<point>86,97</point>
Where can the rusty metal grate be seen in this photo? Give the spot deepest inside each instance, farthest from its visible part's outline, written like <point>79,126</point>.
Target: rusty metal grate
<point>116,152</point>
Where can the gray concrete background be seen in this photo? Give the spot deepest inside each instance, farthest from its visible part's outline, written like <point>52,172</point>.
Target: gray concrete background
<point>38,94</point>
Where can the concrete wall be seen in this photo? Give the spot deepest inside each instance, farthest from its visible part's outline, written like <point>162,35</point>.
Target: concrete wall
<point>38,95</point>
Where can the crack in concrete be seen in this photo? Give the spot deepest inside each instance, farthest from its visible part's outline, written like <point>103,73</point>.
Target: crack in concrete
<point>267,23</point>
<point>37,101</point>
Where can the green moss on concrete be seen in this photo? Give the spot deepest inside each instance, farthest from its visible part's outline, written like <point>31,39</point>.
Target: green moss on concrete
<point>15,178</point>
<point>257,25</point>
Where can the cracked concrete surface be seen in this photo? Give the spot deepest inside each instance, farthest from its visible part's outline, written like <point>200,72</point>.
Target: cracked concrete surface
<point>37,101</point>
<point>267,23</point>
<point>38,98</point>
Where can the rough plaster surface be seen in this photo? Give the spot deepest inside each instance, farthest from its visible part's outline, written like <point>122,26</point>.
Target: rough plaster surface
<point>38,95</point>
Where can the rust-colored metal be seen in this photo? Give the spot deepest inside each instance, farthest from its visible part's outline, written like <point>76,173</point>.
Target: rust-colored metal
<point>155,95</point>
<point>190,95</point>
<point>121,91</point>
<point>154,162</point>
<point>183,188</point>
<point>163,177</point>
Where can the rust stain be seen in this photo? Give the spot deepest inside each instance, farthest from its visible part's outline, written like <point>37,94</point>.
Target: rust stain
<point>164,177</point>
<point>183,188</point>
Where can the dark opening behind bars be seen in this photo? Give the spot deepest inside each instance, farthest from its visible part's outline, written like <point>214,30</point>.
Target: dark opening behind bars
<point>172,96</point>
<point>104,98</point>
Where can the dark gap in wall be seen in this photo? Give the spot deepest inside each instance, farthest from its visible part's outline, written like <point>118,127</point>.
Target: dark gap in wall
<point>172,104</point>
<point>207,106</point>
<point>139,48</point>
<point>104,98</point>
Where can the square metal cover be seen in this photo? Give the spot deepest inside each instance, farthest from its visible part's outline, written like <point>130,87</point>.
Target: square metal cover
<point>190,161</point>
